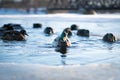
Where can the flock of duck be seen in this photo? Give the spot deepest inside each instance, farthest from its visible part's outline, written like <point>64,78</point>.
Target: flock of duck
<point>16,32</point>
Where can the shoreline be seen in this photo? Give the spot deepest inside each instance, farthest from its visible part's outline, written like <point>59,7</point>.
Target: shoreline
<point>64,15</point>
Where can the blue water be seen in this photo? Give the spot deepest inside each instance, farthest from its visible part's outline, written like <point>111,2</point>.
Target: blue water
<point>37,49</point>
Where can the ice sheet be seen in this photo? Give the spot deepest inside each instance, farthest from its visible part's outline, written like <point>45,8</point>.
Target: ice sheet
<point>69,72</point>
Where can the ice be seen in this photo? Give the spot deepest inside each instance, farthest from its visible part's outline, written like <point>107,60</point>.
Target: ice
<point>11,71</point>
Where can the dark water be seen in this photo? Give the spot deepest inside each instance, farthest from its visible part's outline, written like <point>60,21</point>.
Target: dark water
<point>38,47</point>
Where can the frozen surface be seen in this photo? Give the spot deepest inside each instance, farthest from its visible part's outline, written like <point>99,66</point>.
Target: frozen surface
<point>70,72</point>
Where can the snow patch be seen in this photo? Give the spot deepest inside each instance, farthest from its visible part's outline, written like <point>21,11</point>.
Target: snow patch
<point>69,72</point>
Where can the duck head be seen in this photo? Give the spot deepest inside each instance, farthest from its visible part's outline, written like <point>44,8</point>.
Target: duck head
<point>23,32</point>
<point>63,36</point>
<point>64,41</point>
<point>49,30</point>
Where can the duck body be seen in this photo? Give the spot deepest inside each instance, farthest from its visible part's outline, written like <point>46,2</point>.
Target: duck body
<point>11,31</point>
<point>14,35</point>
<point>37,25</point>
<point>5,28</point>
<point>83,32</point>
<point>62,41</point>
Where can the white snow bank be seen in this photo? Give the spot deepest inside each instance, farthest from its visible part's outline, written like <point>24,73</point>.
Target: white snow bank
<point>63,15</point>
<point>69,72</point>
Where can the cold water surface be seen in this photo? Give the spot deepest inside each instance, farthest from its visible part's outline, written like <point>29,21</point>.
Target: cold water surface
<point>37,48</point>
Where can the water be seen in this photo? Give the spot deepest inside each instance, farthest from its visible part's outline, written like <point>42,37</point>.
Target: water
<point>37,49</point>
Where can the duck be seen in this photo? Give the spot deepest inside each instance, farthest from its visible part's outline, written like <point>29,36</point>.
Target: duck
<point>62,40</point>
<point>14,35</point>
<point>49,31</point>
<point>83,32</point>
<point>74,27</point>
<point>68,30</point>
<point>109,37</point>
<point>37,25</point>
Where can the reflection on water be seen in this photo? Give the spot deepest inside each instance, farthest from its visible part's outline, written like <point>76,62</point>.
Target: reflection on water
<point>38,48</point>
<point>63,60</point>
<point>63,51</point>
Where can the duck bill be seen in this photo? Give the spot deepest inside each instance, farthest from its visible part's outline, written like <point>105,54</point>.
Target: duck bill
<point>26,34</point>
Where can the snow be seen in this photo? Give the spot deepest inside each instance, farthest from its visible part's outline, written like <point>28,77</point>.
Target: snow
<point>9,71</point>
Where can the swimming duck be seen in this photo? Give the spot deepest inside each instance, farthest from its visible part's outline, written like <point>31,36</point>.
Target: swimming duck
<point>62,40</point>
<point>14,35</point>
<point>37,25</point>
<point>83,32</point>
<point>109,37</point>
<point>74,27</point>
<point>48,30</point>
